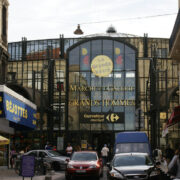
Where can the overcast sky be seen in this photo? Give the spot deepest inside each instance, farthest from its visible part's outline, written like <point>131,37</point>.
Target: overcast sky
<point>45,19</point>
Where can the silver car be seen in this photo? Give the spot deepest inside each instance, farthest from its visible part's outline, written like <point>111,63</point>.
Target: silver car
<point>130,166</point>
<point>57,161</point>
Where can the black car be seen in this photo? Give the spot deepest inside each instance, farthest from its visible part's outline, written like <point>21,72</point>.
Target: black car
<point>130,166</point>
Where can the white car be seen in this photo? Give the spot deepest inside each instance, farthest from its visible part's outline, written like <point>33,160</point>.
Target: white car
<point>57,161</point>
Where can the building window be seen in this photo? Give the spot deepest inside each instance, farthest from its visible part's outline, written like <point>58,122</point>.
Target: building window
<point>11,76</point>
<point>37,80</point>
<point>162,52</point>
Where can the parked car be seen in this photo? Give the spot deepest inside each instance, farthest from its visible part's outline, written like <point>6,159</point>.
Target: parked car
<point>129,166</point>
<point>84,164</point>
<point>55,159</point>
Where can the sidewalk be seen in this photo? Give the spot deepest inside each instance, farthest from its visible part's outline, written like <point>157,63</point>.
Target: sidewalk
<point>9,174</point>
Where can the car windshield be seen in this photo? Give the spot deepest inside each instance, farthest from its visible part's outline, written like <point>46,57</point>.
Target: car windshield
<point>53,153</point>
<point>84,157</point>
<point>132,147</point>
<point>132,160</point>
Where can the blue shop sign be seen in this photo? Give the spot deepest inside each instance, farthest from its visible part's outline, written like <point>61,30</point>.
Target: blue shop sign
<point>17,111</point>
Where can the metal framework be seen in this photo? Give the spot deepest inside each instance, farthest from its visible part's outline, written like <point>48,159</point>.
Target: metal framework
<point>157,73</point>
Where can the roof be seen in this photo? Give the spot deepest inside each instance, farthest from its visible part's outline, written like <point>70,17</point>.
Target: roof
<point>131,137</point>
<point>131,153</point>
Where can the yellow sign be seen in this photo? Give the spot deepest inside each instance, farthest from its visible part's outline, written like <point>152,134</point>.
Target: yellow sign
<point>117,51</point>
<point>163,115</point>
<point>112,117</point>
<point>84,51</point>
<point>102,66</point>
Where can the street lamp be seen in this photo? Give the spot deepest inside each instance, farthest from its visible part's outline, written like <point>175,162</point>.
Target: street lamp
<point>78,31</point>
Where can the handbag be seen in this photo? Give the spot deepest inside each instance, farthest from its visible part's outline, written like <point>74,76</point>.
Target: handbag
<point>174,169</point>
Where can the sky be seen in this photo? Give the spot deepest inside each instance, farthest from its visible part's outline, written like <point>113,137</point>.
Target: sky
<point>46,19</point>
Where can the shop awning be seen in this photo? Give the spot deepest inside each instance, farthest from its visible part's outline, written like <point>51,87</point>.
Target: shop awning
<point>3,140</point>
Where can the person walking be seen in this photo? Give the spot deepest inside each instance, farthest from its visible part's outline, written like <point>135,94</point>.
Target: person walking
<point>48,146</point>
<point>13,156</point>
<point>174,165</point>
<point>69,150</point>
<point>157,154</point>
<point>104,154</point>
<point>169,153</point>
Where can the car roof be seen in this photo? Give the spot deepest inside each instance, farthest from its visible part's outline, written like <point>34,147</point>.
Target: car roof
<point>132,153</point>
<point>85,152</point>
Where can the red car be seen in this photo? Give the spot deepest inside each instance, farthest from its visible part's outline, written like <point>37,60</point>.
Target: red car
<point>84,164</point>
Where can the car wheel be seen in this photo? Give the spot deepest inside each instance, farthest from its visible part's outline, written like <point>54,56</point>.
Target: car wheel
<point>67,177</point>
<point>56,166</point>
<point>97,178</point>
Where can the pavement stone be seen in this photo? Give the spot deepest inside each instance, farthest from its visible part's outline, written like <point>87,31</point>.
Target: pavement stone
<point>9,174</point>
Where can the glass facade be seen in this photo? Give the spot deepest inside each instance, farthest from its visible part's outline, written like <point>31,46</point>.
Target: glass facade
<point>92,94</point>
<point>102,86</point>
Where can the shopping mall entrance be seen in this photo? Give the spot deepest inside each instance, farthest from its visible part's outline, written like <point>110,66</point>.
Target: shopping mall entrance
<point>96,140</point>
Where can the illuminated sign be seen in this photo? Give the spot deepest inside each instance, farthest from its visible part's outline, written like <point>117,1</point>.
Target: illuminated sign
<point>17,111</point>
<point>105,102</point>
<point>102,66</point>
<point>94,88</point>
<point>105,117</point>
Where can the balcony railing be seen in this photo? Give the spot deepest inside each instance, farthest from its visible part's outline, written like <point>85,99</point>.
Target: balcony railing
<point>175,30</point>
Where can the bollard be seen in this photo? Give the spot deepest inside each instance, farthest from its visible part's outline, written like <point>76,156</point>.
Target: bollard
<point>48,177</point>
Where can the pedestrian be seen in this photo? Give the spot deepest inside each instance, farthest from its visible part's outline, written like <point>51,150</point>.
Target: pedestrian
<point>157,153</point>
<point>104,154</point>
<point>174,165</point>
<point>13,156</point>
<point>27,148</point>
<point>69,150</point>
<point>48,146</point>
<point>169,153</point>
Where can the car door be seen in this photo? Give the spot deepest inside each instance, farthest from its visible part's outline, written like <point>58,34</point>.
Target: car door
<point>44,155</point>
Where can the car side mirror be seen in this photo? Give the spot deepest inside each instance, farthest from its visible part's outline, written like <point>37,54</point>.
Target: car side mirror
<point>67,159</point>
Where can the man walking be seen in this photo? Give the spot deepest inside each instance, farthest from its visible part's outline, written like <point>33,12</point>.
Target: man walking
<point>104,153</point>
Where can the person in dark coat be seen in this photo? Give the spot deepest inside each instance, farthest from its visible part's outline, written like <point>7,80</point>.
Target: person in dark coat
<point>169,153</point>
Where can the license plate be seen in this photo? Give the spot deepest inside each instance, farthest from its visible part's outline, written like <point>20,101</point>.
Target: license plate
<point>80,171</point>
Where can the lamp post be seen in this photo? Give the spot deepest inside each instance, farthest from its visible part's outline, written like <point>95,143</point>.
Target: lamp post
<point>78,31</point>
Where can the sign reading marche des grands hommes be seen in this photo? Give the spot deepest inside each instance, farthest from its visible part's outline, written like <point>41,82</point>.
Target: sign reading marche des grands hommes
<point>16,108</point>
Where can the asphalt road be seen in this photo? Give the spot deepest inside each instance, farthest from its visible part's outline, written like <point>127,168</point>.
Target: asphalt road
<point>85,178</point>
<point>9,174</point>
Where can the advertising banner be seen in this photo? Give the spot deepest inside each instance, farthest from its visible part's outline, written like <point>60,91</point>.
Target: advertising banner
<point>27,166</point>
<point>17,111</point>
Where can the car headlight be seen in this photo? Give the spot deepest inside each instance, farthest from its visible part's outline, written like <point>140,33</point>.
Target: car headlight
<point>69,166</point>
<point>116,175</point>
<point>92,166</point>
